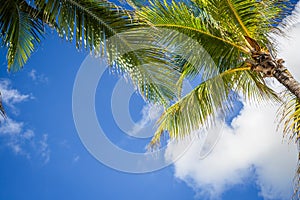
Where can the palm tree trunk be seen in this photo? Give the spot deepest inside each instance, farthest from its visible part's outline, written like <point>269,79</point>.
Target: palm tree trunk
<point>286,79</point>
<point>264,63</point>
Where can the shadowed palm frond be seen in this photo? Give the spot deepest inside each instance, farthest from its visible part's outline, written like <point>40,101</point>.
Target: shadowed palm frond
<point>135,4</point>
<point>154,74</point>
<point>104,28</point>
<point>20,32</point>
<point>88,22</point>
<point>91,25</point>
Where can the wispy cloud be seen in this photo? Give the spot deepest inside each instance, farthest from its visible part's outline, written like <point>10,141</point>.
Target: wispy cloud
<point>23,141</point>
<point>76,158</point>
<point>10,127</point>
<point>37,77</point>
<point>43,149</point>
<point>14,134</point>
<point>11,96</point>
<point>150,113</point>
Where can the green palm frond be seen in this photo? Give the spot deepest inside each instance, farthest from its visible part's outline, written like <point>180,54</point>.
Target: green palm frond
<point>219,26</point>
<point>89,22</point>
<point>199,108</point>
<point>106,29</point>
<point>154,74</point>
<point>91,25</point>
<point>19,32</point>
<point>252,18</point>
<point>290,117</point>
<point>255,19</point>
<point>225,52</point>
<point>135,4</point>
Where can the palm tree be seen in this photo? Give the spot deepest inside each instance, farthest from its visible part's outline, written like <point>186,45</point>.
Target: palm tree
<point>236,34</point>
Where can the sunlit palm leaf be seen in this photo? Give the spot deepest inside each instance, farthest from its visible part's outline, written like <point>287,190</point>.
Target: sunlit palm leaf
<point>290,118</point>
<point>199,108</point>
<point>256,19</point>
<point>203,28</point>
<point>218,25</point>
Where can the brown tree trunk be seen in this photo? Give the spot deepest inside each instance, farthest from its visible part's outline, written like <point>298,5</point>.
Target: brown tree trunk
<point>264,63</point>
<point>286,79</point>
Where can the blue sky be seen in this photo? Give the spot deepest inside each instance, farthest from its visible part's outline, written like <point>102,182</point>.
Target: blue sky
<point>42,156</point>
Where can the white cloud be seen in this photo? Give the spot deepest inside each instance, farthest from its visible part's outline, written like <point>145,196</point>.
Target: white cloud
<point>11,96</point>
<point>14,134</point>
<point>16,148</point>
<point>37,77</point>
<point>32,74</point>
<point>76,158</point>
<point>44,149</point>
<point>150,113</point>
<point>24,141</point>
<point>10,126</point>
<point>28,134</point>
<point>250,150</point>
<point>251,141</point>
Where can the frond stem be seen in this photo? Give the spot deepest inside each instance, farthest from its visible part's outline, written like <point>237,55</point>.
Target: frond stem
<point>221,75</point>
<point>244,50</point>
<point>92,14</point>
<point>238,18</point>
<point>235,70</point>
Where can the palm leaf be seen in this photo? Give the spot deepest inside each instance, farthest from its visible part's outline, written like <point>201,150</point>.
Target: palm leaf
<point>202,28</point>
<point>219,26</point>
<point>19,32</point>
<point>290,119</point>
<point>290,110</point>
<point>199,108</point>
<point>89,22</point>
<point>255,19</point>
<point>111,31</point>
<point>91,25</point>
